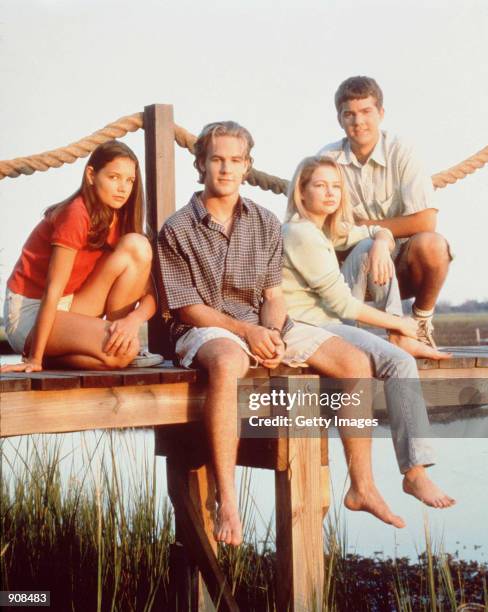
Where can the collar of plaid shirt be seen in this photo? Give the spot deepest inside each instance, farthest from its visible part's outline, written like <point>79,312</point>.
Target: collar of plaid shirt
<point>201,213</point>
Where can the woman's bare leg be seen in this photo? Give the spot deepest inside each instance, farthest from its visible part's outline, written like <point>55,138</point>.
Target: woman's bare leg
<point>118,280</point>
<point>77,341</point>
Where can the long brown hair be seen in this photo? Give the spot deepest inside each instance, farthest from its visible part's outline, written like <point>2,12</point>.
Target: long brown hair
<point>334,223</point>
<point>101,216</point>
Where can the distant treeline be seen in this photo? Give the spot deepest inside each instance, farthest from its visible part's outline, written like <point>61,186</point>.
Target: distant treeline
<point>467,306</point>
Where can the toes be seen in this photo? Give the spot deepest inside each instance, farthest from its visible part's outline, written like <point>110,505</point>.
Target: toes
<point>397,522</point>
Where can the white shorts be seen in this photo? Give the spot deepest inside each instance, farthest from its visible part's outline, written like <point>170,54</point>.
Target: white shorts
<point>19,316</point>
<point>301,343</point>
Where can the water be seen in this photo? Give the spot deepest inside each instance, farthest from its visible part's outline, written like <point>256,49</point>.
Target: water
<point>462,470</point>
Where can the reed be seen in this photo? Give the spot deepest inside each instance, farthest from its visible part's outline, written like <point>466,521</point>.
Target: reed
<point>97,535</point>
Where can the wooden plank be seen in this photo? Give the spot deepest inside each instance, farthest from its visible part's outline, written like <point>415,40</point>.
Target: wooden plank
<point>26,412</point>
<point>98,378</point>
<point>172,375</point>
<point>195,538</point>
<point>299,508</point>
<point>325,489</point>
<point>201,484</point>
<point>427,364</point>
<point>11,382</point>
<point>458,363</point>
<point>264,453</point>
<point>454,373</point>
<point>140,376</point>
<point>159,135</point>
<point>467,351</point>
<point>54,380</point>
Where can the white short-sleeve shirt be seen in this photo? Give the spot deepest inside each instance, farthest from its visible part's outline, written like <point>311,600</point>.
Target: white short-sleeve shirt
<point>391,183</point>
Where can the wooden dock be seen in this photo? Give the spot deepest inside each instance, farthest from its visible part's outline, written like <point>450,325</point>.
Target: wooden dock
<point>171,400</point>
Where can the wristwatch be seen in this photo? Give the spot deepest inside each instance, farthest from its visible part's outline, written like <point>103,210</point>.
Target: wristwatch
<point>273,328</point>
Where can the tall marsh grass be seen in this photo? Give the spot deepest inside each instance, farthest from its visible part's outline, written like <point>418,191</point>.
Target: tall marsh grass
<point>94,528</point>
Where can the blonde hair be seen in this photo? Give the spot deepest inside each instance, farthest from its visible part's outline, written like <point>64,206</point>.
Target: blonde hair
<point>333,225</point>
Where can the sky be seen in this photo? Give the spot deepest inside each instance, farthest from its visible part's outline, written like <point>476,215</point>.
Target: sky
<point>69,67</point>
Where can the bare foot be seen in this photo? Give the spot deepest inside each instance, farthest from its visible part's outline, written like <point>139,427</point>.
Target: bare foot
<point>417,349</point>
<point>372,502</point>
<point>228,529</point>
<point>418,484</point>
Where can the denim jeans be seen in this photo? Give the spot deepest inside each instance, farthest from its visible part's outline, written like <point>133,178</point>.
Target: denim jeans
<point>404,400</point>
<point>387,297</point>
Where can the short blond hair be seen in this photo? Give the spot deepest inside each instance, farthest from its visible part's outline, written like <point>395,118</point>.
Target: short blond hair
<point>333,225</point>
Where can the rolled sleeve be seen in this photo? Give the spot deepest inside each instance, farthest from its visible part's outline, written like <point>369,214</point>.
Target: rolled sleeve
<point>416,186</point>
<point>176,275</point>
<point>312,255</point>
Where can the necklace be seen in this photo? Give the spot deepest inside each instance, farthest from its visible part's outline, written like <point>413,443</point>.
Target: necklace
<point>222,221</point>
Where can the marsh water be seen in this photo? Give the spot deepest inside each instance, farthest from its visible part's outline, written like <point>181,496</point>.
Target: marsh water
<point>462,470</point>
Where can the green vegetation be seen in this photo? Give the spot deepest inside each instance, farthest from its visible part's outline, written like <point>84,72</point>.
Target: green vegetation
<point>459,328</point>
<point>100,541</point>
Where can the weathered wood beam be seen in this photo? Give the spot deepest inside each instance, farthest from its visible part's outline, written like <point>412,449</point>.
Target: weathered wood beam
<point>193,533</point>
<point>29,412</point>
<point>300,503</point>
<point>159,136</point>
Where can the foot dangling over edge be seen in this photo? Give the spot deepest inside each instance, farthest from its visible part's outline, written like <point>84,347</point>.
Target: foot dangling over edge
<point>417,483</point>
<point>228,528</point>
<point>370,500</point>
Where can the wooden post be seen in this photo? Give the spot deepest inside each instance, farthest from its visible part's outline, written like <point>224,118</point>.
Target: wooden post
<point>193,524</point>
<point>159,136</point>
<point>190,593</point>
<point>299,514</point>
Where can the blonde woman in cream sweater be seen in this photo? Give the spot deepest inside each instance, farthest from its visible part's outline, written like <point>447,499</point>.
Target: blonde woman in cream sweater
<point>318,219</point>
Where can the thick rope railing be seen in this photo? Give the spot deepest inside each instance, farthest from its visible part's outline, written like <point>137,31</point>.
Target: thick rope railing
<point>131,123</point>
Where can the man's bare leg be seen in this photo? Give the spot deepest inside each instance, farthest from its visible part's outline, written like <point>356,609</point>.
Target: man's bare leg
<point>339,359</point>
<point>417,483</point>
<point>427,264</point>
<point>225,362</point>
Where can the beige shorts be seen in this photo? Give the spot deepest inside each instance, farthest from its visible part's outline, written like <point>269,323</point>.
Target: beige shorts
<point>20,314</point>
<point>301,342</point>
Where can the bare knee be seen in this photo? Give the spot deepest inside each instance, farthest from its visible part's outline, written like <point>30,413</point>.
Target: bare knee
<point>223,359</point>
<point>117,362</point>
<point>137,247</point>
<point>430,249</point>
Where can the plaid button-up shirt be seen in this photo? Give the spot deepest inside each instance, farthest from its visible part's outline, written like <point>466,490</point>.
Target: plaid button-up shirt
<point>200,264</point>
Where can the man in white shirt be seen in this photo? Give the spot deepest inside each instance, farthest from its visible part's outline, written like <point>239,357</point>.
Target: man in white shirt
<point>389,187</point>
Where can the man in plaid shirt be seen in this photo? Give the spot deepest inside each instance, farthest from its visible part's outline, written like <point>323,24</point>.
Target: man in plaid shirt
<point>220,258</point>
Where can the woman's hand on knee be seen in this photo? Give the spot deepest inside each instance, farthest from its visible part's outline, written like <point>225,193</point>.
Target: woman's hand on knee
<point>123,337</point>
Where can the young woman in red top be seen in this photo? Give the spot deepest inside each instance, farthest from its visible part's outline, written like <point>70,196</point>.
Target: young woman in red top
<point>87,259</point>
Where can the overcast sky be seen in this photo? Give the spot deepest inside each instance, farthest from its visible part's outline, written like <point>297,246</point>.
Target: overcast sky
<point>68,67</point>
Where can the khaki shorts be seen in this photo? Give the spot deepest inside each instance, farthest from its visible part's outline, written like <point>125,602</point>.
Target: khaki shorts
<point>20,314</point>
<point>301,343</point>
